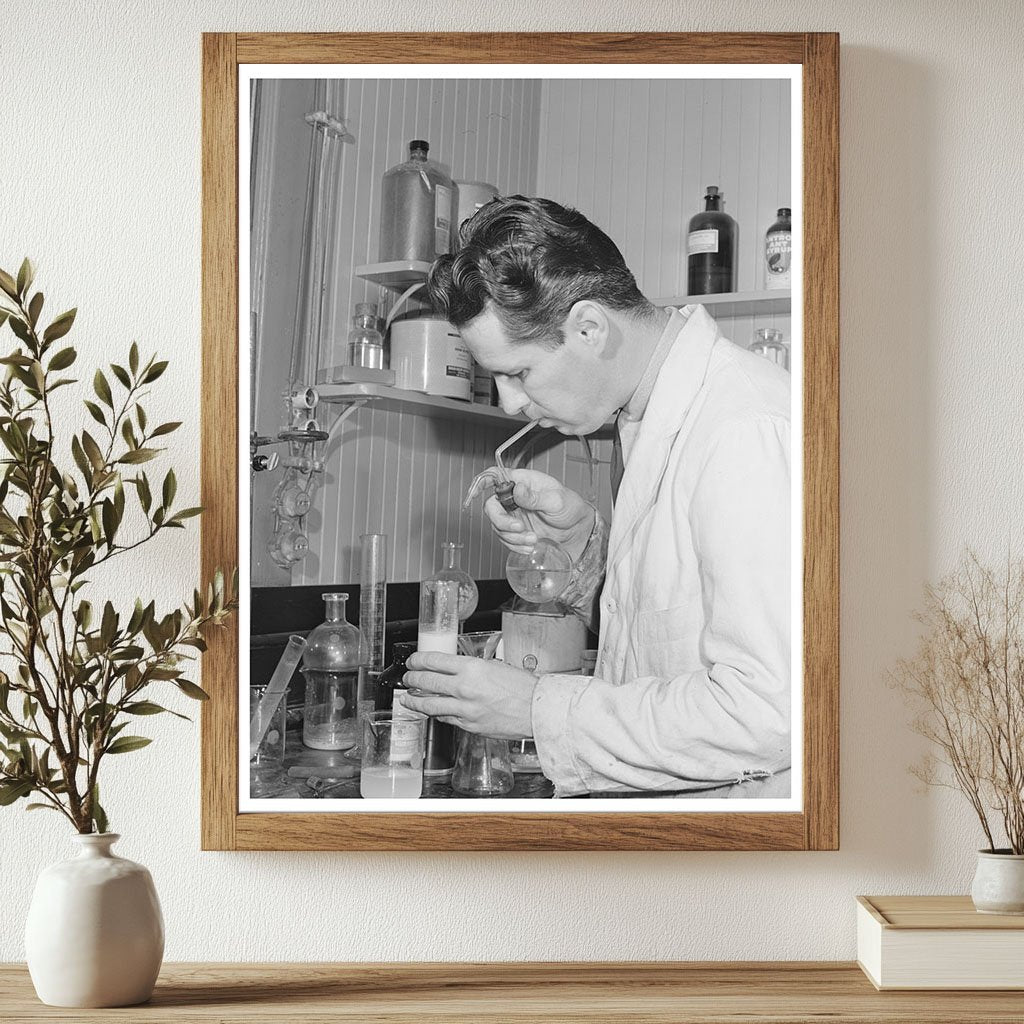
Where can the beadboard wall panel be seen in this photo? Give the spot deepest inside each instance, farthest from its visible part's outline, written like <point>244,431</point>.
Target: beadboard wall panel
<point>635,156</point>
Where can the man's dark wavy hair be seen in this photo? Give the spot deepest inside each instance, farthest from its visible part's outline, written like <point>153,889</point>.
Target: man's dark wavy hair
<point>531,260</point>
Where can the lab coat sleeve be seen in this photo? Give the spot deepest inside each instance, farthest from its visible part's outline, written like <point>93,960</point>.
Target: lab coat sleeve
<point>730,720</point>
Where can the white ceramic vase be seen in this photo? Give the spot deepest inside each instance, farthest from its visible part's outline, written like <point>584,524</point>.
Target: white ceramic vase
<point>95,934</point>
<point>999,882</point>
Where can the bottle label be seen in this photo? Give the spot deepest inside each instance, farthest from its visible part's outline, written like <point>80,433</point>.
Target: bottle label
<point>442,218</point>
<point>702,241</point>
<point>778,251</point>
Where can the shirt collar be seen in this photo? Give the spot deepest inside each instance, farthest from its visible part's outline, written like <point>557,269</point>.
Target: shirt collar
<point>635,408</point>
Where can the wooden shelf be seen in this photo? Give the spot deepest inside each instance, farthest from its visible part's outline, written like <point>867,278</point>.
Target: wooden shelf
<point>397,275</point>
<point>727,304</point>
<point>400,400</point>
<point>528,993</point>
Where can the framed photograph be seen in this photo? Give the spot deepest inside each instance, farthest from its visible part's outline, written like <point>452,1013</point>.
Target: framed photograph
<point>520,420</point>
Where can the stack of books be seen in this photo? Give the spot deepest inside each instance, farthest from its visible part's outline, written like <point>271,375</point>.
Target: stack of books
<point>938,942</point>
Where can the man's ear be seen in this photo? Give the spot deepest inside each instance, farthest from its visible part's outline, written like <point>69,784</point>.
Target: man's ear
<point>589,325</point>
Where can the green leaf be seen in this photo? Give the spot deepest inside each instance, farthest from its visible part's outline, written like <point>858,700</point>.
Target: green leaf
<point>133,358</point>
<point>121,374</point>
<point>108,625</point>
<point>125,744</point>
<point>99,816</point>
<point>83,613</point>
<point>170,488</point>
<point>138,455</point>
<point>26,274</point>
<point>145,497</point>
<point>63,359</point>
<point>41,807</point>
<point>20,328</point>
<point>140,415</point>
<point>154,372</point>
<point>128,433</point>
<point>109,518</point>
<point>102,388</point>
<point>191,690</point>
<point>60,326</point>
<point>4,314</point>
<point>92,449</point>
<point>95,412</point>
<point>11,791</point>
<point>7,283</point>
<point>166,428</point>
<point>34,308</point>
<point>81,461</point>
<point>143,707</point>
<point>185,513</point>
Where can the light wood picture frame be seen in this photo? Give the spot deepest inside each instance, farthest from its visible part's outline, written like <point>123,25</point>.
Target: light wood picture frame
<point>816,825</point>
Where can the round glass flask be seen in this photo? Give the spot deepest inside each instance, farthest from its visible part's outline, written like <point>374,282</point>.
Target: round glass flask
<point>542,573</point>
<point>335,652</point>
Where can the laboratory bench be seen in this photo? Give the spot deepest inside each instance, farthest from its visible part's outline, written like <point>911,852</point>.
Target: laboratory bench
<point>527,993</point>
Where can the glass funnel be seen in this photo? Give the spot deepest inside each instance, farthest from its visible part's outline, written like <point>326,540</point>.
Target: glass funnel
<point>335,652</point>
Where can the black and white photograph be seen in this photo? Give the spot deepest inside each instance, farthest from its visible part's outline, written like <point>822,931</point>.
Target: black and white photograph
<point>521,448</point>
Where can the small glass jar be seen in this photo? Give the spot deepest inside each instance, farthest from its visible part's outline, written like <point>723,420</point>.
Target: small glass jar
<point>365,342</point>
<point>768,343</point>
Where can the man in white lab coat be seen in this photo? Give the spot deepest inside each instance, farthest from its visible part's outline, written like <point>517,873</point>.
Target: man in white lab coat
<point>691,694</point>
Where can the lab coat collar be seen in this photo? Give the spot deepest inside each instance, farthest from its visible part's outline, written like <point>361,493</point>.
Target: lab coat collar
<point>681,377</point>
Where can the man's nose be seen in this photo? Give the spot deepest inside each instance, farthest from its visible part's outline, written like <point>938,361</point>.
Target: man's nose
<point>512,398</point>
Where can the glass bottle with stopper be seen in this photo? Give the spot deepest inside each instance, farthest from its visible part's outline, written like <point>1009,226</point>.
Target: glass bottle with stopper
<point>335,653</point>
<point>542,573</point>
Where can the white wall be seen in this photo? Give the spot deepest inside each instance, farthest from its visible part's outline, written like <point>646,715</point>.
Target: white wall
<point>100,183</point>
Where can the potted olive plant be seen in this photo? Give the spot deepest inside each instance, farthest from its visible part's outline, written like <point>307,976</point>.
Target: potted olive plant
<point>82,672</point>
<point>967,681</point>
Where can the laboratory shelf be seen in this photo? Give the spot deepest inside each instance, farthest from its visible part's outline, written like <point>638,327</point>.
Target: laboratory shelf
<point>398,274</point>
<point>736,303</point>
<point>400,400</point>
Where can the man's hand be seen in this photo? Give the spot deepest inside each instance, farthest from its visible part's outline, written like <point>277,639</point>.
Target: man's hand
<point>556,512</point>
<point>485,697</point>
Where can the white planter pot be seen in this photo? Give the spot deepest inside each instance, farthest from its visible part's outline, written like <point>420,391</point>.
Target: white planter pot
<point>95,934</point>
<point>999,883</point>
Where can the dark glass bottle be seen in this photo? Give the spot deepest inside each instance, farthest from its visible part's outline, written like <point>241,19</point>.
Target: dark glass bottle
<point>711,248</point>
<point>390,680</point>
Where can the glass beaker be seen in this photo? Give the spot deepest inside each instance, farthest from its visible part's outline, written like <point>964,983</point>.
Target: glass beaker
<point>483,766</point>
<point>335,653</point>
<point>439,616</point>
<point>392,765</point>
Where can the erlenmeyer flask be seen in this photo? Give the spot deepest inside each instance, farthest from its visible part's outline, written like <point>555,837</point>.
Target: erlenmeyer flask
<point>450,569</point>
<point>483,766</point>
